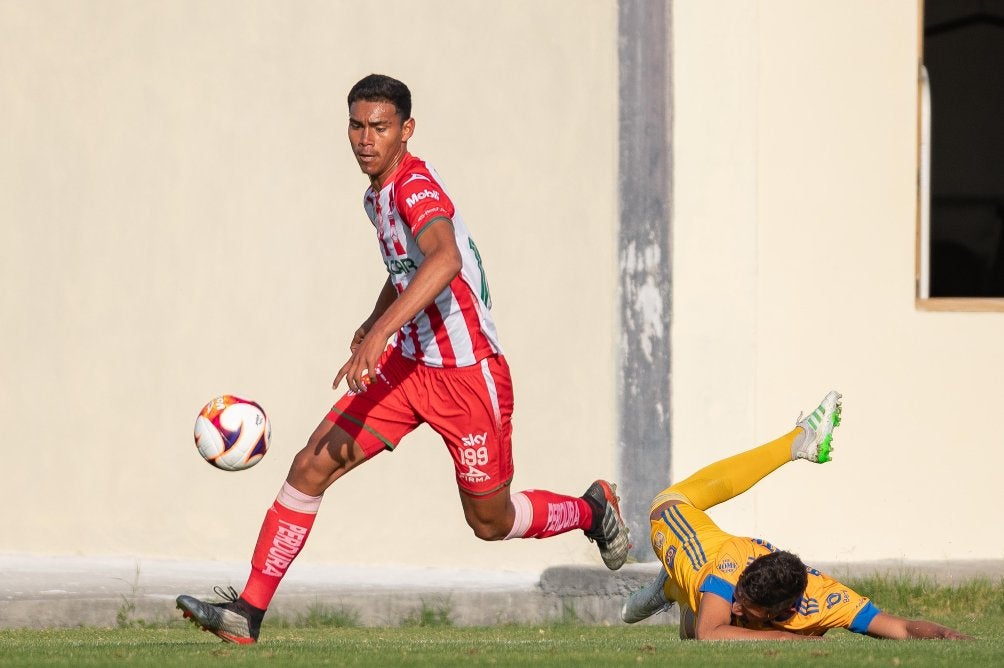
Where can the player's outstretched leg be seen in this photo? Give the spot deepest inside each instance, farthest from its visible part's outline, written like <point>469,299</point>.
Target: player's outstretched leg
<point>811,439</point>
<point>538,513</point>
<point>233,620</point>
<point>609,531</point>
<point>647,601</point>
<point>283,534</point>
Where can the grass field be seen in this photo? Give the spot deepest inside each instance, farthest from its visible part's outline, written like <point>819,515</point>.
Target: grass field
<point>975,607</point>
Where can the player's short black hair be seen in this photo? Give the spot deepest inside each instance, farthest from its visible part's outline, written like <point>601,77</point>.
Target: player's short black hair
<point>382,88</point>
<point>776,581</point>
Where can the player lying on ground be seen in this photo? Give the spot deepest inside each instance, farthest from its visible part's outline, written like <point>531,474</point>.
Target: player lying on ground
<point>736,588</point>
<point>444,367</point>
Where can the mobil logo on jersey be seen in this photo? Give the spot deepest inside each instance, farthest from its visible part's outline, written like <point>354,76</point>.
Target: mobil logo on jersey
<point>414,199</point>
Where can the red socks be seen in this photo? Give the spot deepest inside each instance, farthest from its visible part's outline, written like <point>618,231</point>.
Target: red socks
<point>283,533</point>
<point>287,524</point>
<point>540,514</point>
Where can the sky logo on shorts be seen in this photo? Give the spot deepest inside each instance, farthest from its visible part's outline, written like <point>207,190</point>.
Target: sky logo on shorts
<point>474,440</point>
<point>474,453</point>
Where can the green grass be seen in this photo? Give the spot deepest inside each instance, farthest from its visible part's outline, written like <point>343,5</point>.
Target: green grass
<point>918,596</point>
<point>320,616</point>
<point>429,616</point>
<point>444,646</point>
<point>330,636</point>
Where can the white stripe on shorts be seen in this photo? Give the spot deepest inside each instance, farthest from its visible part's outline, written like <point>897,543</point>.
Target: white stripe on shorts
<point>492,392</point>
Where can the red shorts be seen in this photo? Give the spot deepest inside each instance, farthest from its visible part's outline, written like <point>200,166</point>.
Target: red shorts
<point>470,407</point>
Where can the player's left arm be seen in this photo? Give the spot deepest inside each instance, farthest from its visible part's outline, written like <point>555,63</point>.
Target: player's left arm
<point>441,264</point>
<point>885,625</point>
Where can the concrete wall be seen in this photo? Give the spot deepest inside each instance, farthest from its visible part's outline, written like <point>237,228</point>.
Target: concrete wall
<point>182,217</point>
<point>795,139</point>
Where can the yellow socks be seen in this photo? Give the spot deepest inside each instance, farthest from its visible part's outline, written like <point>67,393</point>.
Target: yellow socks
<point>731,477</point>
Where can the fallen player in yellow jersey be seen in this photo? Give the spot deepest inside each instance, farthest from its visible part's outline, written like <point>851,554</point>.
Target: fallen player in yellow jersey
<point>730,587</point>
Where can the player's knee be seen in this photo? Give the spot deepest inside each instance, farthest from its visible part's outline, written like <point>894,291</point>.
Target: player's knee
<point>665,501</point>
<point>488,529</point>
<point>329,454</point>
<point>688,623</point>
<point>303,471</point>
<point>312,473</point>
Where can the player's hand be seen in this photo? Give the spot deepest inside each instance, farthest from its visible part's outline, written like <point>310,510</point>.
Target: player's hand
<point>357,338</point>
<point>952,634</point>
<point>361,366</point>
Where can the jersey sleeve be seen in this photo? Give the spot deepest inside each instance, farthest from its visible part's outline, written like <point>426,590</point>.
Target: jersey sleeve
<point>420,200</point>
<point>839,605</point>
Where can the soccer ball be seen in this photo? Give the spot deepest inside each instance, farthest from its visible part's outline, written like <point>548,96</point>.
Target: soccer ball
<point>232,433</point>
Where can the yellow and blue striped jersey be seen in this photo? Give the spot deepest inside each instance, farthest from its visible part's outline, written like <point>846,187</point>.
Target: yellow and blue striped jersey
<point>701,558</point>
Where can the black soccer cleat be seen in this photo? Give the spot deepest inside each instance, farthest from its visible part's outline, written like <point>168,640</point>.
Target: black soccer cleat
<point>234,620</point>
<point>609,531</point>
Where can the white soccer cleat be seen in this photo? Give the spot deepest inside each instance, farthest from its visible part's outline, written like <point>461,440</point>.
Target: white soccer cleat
<point>647,601</point>
<point>816,445</point>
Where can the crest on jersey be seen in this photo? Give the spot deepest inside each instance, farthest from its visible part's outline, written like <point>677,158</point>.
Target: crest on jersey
<point>670,557</point>
<point>727,565</point>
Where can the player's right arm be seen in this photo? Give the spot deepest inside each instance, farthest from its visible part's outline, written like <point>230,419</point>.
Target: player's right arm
<point>714,622</point>
<point>387,296</point>
<point>885,625</point>
<point>440,265</point>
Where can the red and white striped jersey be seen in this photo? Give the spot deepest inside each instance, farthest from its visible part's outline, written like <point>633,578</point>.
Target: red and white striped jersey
<point>457,328</point>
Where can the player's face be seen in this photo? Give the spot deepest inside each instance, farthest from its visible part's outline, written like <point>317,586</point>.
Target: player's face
<point>755,616</point>
<point>378,138</point>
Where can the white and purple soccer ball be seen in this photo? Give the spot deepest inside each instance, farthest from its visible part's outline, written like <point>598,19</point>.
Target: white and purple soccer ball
<point>232,433</point>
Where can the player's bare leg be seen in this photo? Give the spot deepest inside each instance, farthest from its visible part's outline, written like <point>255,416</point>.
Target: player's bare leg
<point>492,517</point>
<point>329,454</point>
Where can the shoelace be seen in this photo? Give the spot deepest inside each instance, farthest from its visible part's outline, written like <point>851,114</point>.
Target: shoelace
<point>231,596</point>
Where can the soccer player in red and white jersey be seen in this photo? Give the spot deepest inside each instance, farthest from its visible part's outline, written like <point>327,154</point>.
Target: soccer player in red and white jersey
<point>428,353</point>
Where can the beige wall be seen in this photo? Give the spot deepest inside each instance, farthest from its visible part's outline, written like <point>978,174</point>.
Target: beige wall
<point>181,217</point>
<point>795,217</point>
